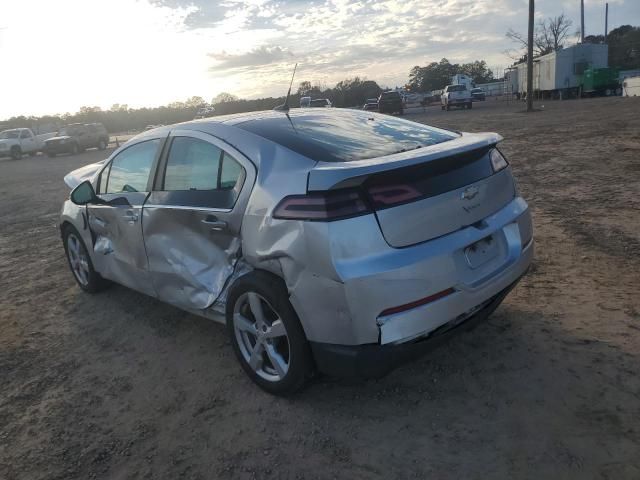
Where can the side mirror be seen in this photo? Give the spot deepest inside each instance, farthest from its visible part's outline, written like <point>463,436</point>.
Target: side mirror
<point>84,194</point>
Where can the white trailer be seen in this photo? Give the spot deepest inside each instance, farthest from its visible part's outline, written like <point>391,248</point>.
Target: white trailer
<point>563,69</point>
<point>462,79</point>
<point>631,87</point>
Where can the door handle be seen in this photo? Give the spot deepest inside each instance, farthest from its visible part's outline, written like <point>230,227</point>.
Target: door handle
<point>214,223</point>
<point>131,217</point>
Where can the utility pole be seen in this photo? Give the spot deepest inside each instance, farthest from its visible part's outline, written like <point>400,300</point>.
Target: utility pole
<point>606,22</point>
<point>530,58</point>
<point>581,21</point>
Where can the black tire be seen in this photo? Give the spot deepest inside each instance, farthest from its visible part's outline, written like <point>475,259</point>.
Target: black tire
<point>75,149</point>
<point>272,290</point>
<point>95,282</point>
<point>469,105</point>
<point>447,107</point>
<point>51,154</point>
<point>16,153</point>
<point>102,145</point>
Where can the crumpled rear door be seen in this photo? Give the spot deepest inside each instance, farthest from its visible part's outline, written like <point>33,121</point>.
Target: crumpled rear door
<point>191,221</point>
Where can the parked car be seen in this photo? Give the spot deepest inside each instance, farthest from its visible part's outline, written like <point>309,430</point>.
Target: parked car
<point>338,240</point>
<point>76,138</point>
<point>320,103</point>
<point>305,102</point>
<point>371,105</point>
<point>456,96</point>
<point>477,95</point>
<point>205,112</point>
<point>17,141</point>
<point>390,102</point>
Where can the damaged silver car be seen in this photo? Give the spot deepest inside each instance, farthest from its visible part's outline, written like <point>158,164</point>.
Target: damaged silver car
<point>338,241</point>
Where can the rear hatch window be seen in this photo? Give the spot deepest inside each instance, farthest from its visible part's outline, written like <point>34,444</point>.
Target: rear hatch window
<point>334,136</point>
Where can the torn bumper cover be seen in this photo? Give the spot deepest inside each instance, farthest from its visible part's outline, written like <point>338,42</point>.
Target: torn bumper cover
<point>374,360</point>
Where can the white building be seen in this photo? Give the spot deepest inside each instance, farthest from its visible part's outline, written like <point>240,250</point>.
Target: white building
<point>563,69</point>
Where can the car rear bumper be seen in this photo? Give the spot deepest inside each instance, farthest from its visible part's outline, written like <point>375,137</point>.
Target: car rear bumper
<point>374,360</point>
<point>374,279</point>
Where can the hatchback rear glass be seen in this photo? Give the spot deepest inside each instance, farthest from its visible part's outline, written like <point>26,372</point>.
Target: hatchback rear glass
<point>345,136</point>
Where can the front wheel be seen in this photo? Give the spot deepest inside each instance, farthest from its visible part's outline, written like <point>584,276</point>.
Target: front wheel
<point>469,105</point>
<point>266,334</point>
<point>102,145</point>
<point>75,149</point>
<point>16,153</point>
<point>80,262</point>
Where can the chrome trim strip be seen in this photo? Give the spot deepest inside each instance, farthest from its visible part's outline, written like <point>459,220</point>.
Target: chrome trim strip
<point>185,207</point>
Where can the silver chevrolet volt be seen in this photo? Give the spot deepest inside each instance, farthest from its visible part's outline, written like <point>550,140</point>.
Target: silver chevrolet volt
<point>327,240</point>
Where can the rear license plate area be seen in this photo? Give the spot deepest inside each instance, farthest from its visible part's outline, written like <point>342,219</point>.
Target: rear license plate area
<point>481,252</point>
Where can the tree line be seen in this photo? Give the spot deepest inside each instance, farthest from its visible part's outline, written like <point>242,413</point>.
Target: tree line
<point>121,118</point>
<point>348,93</point>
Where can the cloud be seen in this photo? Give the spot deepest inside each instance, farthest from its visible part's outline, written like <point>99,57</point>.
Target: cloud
<point>263,55</point>
<point>172,49</point>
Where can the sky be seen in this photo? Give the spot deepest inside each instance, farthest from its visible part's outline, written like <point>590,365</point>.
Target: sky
<point>59,55</point>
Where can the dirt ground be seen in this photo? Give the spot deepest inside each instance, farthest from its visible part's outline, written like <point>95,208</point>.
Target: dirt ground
<point>118,385</point>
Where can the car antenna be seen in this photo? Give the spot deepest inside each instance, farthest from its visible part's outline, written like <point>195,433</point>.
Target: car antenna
<point>285,106</point>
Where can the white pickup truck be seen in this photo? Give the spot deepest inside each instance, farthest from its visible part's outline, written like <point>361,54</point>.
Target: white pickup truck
<point>16,142</point>
<point>456,96</point>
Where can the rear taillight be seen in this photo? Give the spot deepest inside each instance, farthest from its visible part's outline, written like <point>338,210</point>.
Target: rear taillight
<point>498,162</point>
<point>322,206</point>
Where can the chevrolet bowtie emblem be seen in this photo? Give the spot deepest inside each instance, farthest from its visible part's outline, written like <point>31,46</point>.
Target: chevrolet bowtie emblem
<point>470,193</point>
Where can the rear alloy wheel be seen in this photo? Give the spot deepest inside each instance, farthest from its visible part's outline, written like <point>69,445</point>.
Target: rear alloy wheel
<point>16,153</point>
<point>80,262</point>
<point>266,334</point>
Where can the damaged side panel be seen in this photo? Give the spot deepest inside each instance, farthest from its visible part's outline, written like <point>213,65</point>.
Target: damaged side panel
<point>189,262</point>
<point>118,247</point>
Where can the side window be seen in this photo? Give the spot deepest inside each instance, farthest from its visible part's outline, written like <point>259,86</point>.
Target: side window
<point>25,134</point>
<point>130,168</point>
<point>192,165</point>
<point>232,171</point>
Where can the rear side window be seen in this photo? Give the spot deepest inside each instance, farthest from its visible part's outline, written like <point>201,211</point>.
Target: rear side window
<point>192,165</point>
<point>195,165</point>
<point>130,168</point>
<point>330,135</point>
